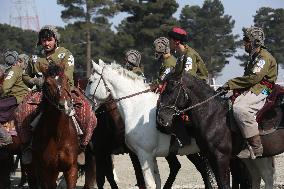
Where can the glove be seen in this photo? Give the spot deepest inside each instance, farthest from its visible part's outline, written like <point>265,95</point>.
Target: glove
<point>38,82</point>
<point>154,87</point>
<point>223,90</point>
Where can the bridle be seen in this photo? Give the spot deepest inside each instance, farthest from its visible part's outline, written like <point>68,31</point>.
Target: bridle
<point>51,99</point>
<point>186,91</point>
<point>173,107</point>
<point>108,89</point>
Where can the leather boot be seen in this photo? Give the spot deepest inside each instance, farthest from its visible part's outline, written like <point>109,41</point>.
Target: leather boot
<point>254,148</point>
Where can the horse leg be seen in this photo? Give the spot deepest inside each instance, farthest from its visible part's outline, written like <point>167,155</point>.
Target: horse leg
<point>48,178</point>
<point>6,165</point>
<point>147,164</point>
<point>264,168</point>
<point>23,173</point>
<point>157,174</point>
<point>100,166</point>
<point>90,172</point>
<point>137,170</point>
<point>174,166</point>
<point>109,172</point>
<point>71,176</point>
<point>220,164</point>
<point>202,166</point>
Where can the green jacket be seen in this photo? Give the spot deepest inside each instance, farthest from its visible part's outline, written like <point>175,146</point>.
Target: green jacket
<point>60,56</point>
<point>13,84</point>
<point>194,63</point>
<point>262,67</point>
<point>167,66</point>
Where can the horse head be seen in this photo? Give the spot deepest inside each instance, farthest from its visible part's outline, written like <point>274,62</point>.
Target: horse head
<point>56,88</point>
<point>97,88</point>
<point>173,99</point>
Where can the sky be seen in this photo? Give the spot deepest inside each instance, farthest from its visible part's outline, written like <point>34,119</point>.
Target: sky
<point>242,12</point>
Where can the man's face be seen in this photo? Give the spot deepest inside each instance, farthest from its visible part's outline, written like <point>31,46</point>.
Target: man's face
<point>247,44</point>
<point>48,44</point>
<point>173,44</point>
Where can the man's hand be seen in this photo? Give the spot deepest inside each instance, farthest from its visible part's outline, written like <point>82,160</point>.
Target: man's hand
<point>38,82</point>
<point>223,90</point>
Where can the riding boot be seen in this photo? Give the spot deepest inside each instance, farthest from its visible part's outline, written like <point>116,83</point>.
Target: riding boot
<point>5,137</point>
<point>254,149</point>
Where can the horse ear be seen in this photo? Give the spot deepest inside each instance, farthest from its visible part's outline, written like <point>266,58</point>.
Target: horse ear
<point>101,62</point>
<point>96,66</point>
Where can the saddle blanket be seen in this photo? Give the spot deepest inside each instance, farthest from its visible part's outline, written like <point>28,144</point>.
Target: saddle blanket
<point>29,109</point>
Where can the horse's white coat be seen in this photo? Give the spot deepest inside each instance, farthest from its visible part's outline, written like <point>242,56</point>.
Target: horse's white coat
<point>139,115</point>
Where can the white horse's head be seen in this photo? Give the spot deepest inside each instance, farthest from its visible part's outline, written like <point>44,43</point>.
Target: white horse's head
<point>97,87</point>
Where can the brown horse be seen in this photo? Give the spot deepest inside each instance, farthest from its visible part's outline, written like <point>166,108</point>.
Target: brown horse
<point>55,140</point>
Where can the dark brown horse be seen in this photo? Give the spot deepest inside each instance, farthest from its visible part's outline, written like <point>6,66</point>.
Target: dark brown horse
<point>211,124</point>
<point>55,140</point>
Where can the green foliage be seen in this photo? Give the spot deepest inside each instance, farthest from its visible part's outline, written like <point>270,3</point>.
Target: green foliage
<point>272,22</point>
<point>210,33</point>
<point>13,38</point>
<point>147,20</point>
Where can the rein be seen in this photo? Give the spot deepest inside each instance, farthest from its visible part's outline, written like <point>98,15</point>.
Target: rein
<point>199,104</point>
<point>117,99</point>
<point>178,112</point>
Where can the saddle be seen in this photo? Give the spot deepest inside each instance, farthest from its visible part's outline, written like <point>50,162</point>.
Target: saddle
<point>270,117</point>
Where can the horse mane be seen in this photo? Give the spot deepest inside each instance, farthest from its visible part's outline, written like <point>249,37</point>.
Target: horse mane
<point>129,74</point>
<point>202,86</point>
<point>54,70</point>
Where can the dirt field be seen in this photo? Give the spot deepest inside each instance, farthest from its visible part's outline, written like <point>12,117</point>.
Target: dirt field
<point>187,178</point>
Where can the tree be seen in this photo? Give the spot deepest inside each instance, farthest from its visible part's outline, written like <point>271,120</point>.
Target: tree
<point>13,38</point>
<point>87,11</point>
<point>210,33</point>
<point>272,22</point>
<point>146,21</point>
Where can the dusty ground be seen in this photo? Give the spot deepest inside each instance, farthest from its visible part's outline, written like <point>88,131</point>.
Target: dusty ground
<point>187,178</point>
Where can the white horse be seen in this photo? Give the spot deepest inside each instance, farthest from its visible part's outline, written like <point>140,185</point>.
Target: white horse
<point>139,115</point>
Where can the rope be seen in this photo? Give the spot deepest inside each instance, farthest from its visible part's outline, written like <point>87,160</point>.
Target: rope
<point>200,103</point>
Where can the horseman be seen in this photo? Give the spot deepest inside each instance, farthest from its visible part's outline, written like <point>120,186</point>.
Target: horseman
<point>12,91</point>
<point>132,61</point>
<point>193,65</point>
<point>193,62</point>
<point>52,53</point>
<point>163,54</point>
<point>255,85</point>
<point>48,39</point>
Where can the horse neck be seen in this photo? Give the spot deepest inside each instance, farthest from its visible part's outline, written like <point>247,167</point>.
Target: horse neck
<point>55,118</point>
<point>121,87</point>
<point>199,95</point>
